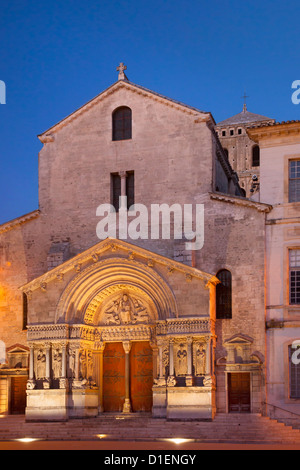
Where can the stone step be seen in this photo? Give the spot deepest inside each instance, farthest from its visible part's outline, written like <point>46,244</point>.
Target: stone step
<point>224,429</point>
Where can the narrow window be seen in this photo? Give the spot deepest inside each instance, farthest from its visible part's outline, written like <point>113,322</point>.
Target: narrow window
<point>224,295</point>
<point>122,185</point>
<point>294,376</point>
<point>115,190</point>
<point>122,123</point>
<point>223,133</point>
<point>130,188</point>
<point>25,311</point>
<point>239,131</point>
<point>231,132</point>
<point>294,262</point>
<point>256,156</point>
<point>294,181</point>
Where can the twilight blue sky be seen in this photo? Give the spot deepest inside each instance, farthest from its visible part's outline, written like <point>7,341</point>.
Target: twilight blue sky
<point>57,55</point>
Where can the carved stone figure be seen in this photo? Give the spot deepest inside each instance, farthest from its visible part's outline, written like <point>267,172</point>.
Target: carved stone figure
<point>57,360</point>
<point>200,358</point>
<point>83,364</point>
<point>41,365</point>
<point>126,310</point>
<point>89,365</point>
<point>181,360</point>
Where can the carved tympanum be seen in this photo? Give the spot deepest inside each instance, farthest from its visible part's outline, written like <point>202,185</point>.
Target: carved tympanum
<point>126,310</point>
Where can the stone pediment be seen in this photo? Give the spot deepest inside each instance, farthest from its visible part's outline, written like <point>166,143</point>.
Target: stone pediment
<point>109,248</point>
<point>200,116</point>
<point>239,339</point>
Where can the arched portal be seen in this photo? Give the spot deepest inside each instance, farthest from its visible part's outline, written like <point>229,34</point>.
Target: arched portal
<point>81,298</point>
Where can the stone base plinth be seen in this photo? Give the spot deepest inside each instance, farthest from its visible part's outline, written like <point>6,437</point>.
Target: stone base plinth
<point>186,403</point>
<point>46,405</point>
<point>59,405</point>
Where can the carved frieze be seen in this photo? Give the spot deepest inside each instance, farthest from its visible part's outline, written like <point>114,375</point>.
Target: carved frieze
<point>184,326</point>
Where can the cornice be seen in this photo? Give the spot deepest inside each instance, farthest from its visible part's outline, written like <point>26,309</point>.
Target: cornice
<point>267,133</point>
<point>259,206</point>
<point>19,221</point>
<point>93,255</point>
<point>200,116</point>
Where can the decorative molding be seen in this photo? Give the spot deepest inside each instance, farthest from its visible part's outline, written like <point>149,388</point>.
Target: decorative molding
<point>19,221</point>
<point>186,326</point>
<point>113,244</point>
<point>259,206</point>
<point>121,84</point>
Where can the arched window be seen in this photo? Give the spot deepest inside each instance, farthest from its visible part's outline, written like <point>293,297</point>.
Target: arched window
<point>255,156</point>
<point>224,295</point>
<point>122,123</point>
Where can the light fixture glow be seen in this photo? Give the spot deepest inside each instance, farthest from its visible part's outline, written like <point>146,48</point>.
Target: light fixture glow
<point>102,436</point>
<point>26,440</point>
<point>178,441</point>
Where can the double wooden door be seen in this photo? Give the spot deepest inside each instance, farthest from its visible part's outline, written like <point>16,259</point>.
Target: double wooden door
<point>239,392</point>
<point>140,379</point>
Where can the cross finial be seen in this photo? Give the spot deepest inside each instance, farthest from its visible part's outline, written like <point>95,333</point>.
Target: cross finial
<point>245,102</point>
<point>121,69</point>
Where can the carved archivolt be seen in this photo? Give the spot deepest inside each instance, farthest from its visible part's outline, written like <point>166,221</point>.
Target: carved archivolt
<point>81,298</point>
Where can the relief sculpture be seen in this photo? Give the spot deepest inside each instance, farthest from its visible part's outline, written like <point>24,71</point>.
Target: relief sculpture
<point>181,360</point>
<point>200,359</point>
<point>41,365</point>
<point>126,310</point>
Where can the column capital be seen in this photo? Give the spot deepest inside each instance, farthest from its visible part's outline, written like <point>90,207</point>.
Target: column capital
<point>127,346</point>
<point>123,174</point>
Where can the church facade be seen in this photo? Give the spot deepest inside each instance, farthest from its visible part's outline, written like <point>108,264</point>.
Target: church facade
<point>158,318</point>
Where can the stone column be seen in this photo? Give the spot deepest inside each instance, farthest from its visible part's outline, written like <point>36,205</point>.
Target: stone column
<point>64,361</point>
<point>31,363</point>
<point>123,204</point>
<point>31,382</point>
<point>171,378</point>
<point>47,381</point>
<point>63,381</point>
<point>171,359</point>
<point>155,361</point>
<point>208,357</point>
<point>98,355</point>
<point>189,376</point>
<point>127,404</point>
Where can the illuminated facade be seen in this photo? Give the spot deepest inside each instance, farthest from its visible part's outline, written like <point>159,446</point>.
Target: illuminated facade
<point>133,325</point>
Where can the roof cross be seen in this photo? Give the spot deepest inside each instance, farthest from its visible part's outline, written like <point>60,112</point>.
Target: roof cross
<point>245,102</point>
<point>121,69</point>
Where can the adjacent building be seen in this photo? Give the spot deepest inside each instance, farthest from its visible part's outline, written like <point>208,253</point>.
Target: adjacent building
<point>243,153</point>
<point>280,187</point>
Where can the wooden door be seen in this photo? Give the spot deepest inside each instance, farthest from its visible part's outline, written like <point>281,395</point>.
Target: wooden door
<point>239,392</point>
<point>141,376</point>
<point>113,377</point>
<point>18,395</point>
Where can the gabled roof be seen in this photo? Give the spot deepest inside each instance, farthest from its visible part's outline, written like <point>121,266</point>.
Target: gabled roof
<point>245,117</point>
<point>111,244</point>
<point>46,135</point>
